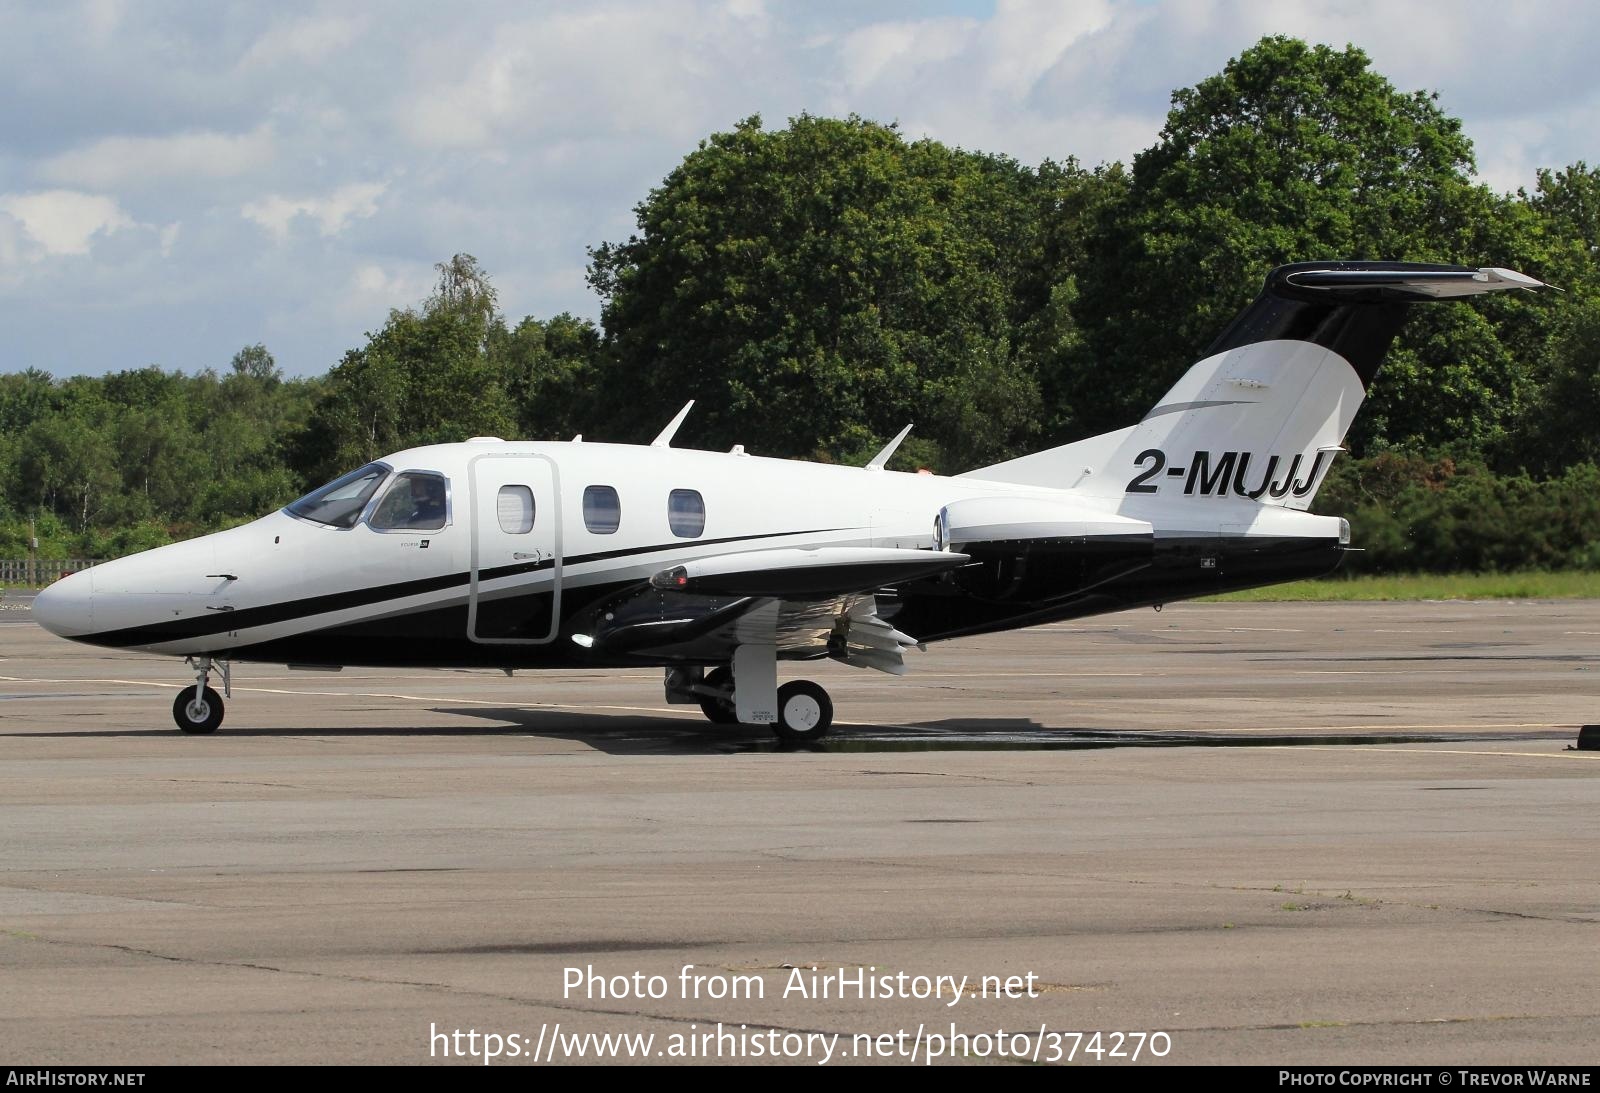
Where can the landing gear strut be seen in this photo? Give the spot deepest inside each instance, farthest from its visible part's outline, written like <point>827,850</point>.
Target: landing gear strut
<point>198,709</point>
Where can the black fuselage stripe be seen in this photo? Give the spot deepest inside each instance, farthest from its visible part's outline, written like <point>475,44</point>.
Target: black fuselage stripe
<point>290,610</point>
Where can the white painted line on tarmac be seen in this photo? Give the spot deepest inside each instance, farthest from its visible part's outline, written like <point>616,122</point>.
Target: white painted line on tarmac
<point>376,694</point>
<point>1390,748</point>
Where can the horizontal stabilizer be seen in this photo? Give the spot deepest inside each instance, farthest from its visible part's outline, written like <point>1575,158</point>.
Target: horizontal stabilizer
<point>1400,284</point>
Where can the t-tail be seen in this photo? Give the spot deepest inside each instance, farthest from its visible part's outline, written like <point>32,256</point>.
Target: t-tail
<point>1263,413</point>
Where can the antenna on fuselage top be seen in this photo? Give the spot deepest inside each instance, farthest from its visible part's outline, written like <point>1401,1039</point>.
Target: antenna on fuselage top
<point>879,460</point>
<point>665,439</point>
<point>577,439</point>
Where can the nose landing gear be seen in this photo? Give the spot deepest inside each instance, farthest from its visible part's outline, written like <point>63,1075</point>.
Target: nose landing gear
<point>198,709</point>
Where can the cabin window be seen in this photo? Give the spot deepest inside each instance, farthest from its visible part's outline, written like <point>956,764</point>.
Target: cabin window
<point>515,508</point>
<point>416,501</point>
<point>686,513</point>
<point>602,510</point>
<point>339,504</point>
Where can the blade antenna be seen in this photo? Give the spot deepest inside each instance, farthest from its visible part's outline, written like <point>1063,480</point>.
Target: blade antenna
<point>664,440</point>
<point>882,458</point>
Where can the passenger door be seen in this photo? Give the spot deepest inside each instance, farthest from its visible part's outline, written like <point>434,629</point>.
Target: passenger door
<point>514,596</point>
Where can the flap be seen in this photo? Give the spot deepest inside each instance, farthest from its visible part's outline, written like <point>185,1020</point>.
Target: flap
<point>803,574</point>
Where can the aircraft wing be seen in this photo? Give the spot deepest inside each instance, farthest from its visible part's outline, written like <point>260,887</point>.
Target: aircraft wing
<point>807,603</point>
<point>794,572</point>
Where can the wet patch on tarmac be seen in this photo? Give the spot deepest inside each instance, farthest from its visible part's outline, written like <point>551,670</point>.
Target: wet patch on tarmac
<point>1089,739</point>
<point>646,735</point>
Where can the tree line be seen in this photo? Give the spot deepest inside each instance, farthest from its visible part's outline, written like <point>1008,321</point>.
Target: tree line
<point>816,287</point>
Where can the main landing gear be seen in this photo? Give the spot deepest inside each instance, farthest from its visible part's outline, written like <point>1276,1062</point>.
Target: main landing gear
<point>803,714</point>
<point>198,709</point>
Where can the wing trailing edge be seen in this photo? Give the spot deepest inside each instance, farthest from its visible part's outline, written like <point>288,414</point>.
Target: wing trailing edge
<point>793,573</point>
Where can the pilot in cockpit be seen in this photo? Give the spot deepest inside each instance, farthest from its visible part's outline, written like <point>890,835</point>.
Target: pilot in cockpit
<point>416,501</point>
<point>427,503</point>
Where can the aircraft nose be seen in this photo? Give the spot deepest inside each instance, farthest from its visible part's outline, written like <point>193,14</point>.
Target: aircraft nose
<point>65,608</point>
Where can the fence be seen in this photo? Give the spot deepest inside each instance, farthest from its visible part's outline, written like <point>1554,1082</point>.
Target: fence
<point>39,571</point>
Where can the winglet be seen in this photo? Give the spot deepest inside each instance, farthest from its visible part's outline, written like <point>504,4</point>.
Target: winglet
<point>665,439</point>
<point>882,458</point>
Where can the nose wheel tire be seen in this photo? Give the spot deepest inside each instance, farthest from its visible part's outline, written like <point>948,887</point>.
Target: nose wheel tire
<point>196,712</point>
<point>805,712</point>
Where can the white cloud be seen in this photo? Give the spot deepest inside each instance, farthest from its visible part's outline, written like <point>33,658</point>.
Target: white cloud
<point>526,130</point>
<point>169,238</point>
<point>312,39</point>
<point>375,288</point>
<point>332,213</point>
<point>121,161</point>
<point>62,222</point>
<point>660,69</point>
<point>10,250</point>
<point>896,51</point>
<point>1026,39</point>
<point>103,18</point>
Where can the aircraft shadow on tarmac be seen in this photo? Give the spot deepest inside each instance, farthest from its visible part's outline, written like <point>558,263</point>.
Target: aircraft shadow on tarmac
<point>632,734</point>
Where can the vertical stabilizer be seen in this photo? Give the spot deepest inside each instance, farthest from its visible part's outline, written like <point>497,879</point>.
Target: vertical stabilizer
<point>1263,414</point>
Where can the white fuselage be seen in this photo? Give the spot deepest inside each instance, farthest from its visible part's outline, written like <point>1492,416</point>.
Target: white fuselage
<point>282,576</point>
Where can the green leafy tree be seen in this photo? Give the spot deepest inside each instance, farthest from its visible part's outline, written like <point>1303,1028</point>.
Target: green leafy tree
<point>818,286</point>
<point>1562,426</point>
<point>69,465</point>
<point>1298,152</point>
<point>552,367</point>
<point>257,363</point>
<point>427,377</point>
<point>1567,205</point>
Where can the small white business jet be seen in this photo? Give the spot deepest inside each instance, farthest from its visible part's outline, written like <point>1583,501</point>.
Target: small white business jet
<point>716,565</point>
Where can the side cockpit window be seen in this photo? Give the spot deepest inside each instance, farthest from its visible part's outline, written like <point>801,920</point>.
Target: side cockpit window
<point>339,504</point>
<point>415,501</point>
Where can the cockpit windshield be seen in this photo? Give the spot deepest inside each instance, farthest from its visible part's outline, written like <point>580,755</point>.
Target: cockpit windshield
<point>340,502</point>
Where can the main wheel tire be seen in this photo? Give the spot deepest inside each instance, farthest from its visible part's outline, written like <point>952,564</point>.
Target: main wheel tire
<point>719,711</point>
<point>805,712</point>
<point>200,714</point>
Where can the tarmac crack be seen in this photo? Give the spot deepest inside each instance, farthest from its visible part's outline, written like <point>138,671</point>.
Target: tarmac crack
<point>1408,1022</point>
<point>444,988</point>
<point>949,774</point>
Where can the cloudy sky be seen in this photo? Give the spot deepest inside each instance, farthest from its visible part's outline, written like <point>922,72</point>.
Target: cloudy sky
<point>180,179</point>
